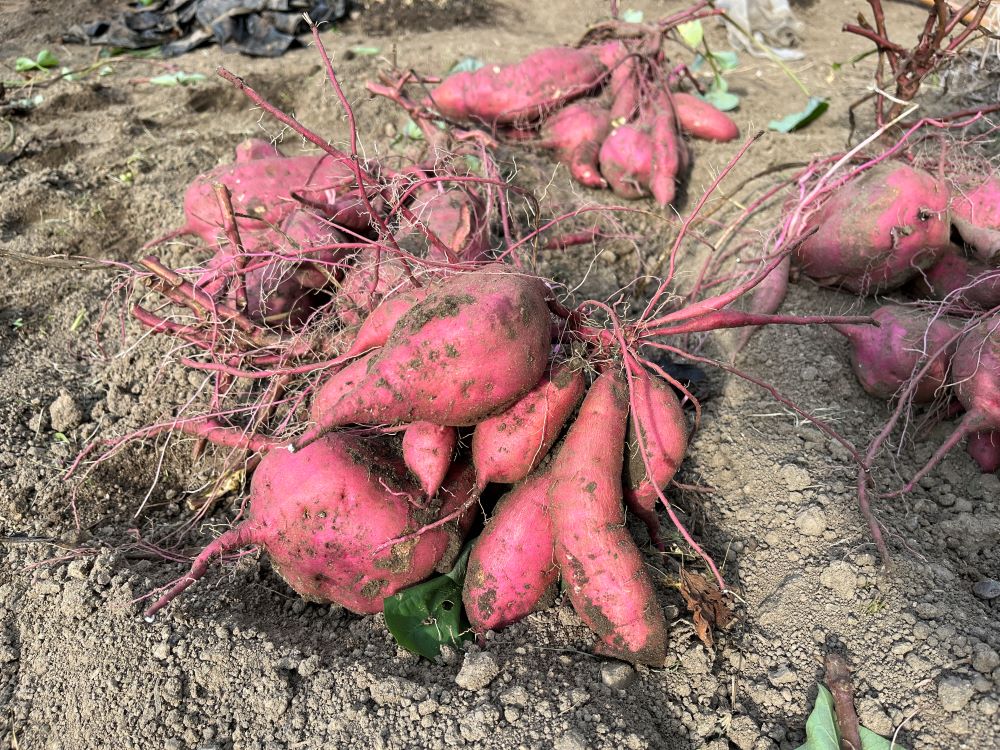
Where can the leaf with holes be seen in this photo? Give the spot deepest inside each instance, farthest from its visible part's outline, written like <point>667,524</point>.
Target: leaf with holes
<point>424,617</point>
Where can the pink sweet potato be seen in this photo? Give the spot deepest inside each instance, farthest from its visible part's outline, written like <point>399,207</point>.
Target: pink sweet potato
<point>472,347</point>
<point>601,566</point>
<point>669,151</point>
<point>960,279</point>
<point>984,447</point>
<point>975,373</point>
<point>576,133</point>
<point>507,448</point>
<point>427,452</point>
<point>262,189</point>
<point>320,511</point>
<point>623,87</point>
<point>658,421</point>
<point>455,220</point>
<point>702,120</point>
<point>886,356</point>
<point>512,562</point>
<point>366,284</point>
<point>626,159</point>
<point>375,331</point>
<point>975,212</point>
<point>524,91</point>
<point>878,231</point>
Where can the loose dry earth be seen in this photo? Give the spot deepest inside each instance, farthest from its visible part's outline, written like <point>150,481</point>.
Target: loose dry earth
<point>241,662</point>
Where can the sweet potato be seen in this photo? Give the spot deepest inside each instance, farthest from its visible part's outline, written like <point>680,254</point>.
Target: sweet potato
<point>456,221</point>
<point>366,284</point>
<point>375,331</point>
<point>623,87</point>
<point>984,447</point>
<point>626,159</point>
<point>975,212</point>
<point>512,562</point>
<point>702,120</point>
<point>877,231</point>
<point>669,151</point>
<point>261,190</point>
<point>320,511</point>
<point>507,448</point>
<point>601,566</point>
<point>427,452</point>
<point>524,91</point>
<point>576,133</point>
<point>886,356</point>
<point>472,347</point>
<point>960,279</point>
<point>657,420</point>
<point>975,372</point>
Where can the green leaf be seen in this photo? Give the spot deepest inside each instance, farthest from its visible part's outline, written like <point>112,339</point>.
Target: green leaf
<point>790,123</point>
<point>821,728</point>
<point>726,59</point>
<point>46,59</point>
<point>43,60</point>
<point>718,96</point>
<point>177,79</point>
<point>60,437</point>
<point>424,617</point>
<point>692,32</point>
<point>466,65</point>
<point>412,131</point>
<point>632,16</point>
<point>361,50</point>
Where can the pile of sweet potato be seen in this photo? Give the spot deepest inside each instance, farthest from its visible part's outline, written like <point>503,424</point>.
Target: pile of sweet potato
<point>610,110</point>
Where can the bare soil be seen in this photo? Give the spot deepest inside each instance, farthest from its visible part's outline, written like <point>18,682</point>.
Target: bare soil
<point>98,168</point>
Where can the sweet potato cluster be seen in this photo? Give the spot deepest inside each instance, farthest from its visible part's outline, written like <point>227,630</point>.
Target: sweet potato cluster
<point>609,111</point>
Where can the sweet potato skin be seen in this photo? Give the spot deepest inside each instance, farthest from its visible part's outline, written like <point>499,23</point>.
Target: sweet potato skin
<point>656,417</point>
<point>960,278</point>
<point>884,357</point>
<point>669,152</point>
<point>261,190</point>
<point>506,448</point>
<point>975,212</point>
<point>984,448</point>
<point>626,159</point>
<point>702,120</point>
<point>876,232</point>
<point>427,451</point>
<point>476,344</point>
<point>512,563</point>
<point>601,566</point>
<point>576,133</point>
<point>524,91</point>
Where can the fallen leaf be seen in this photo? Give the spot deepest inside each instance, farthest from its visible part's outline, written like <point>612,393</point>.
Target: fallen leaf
<point>708,607</point>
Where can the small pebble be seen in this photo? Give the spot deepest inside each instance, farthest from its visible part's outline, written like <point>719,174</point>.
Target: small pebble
<point>617,675</point>
<point>478,670</point>
<point>987,589</point>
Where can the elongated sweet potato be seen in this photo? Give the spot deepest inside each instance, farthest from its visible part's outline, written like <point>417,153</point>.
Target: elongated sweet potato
<point>524,91</point>
<point>669,151</point>
<point>472,347</point>
<point>702,120</point>
<point>507,448</point>
<point>319,513</point>
<point>456,221</point>
<point>375,331</point>
<point>601,566</point>
<point>876,232</point>
<point>657,420</point>
<point>512,562</point>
